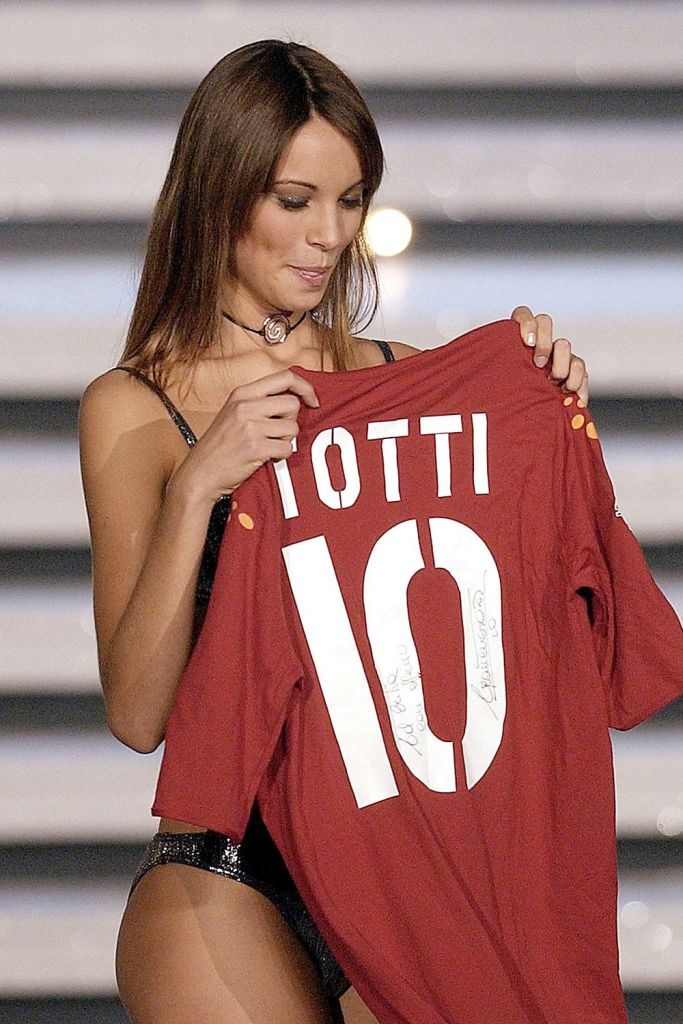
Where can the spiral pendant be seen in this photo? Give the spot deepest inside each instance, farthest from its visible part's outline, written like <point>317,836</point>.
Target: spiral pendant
<point>275,328</point>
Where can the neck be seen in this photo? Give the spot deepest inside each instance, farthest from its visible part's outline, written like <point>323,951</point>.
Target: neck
<point>304,333</point>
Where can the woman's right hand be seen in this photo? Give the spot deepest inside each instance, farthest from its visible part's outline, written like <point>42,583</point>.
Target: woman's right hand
<point>256,423</point>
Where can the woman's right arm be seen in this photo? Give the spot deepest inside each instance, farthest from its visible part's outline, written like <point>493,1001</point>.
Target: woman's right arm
<point>148,526</point>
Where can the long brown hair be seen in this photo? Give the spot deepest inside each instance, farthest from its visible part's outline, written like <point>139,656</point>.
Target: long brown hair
<point>236,126</point>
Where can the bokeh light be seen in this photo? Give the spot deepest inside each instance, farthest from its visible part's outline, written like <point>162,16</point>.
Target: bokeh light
<point>388,231</point>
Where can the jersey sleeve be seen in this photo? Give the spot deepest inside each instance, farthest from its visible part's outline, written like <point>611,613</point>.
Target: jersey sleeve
<point>635,632</point>
<point>242,675</point>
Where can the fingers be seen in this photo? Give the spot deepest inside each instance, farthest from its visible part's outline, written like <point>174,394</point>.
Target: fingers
<point>278,382</point>
<point>284,406</point>
<point>562,361</point>
<point>279,426</point>
<point>573,374</point>
<point>569,370</point>
<point>527,324</point>
<point>577,379</point>
<point>565,368</point>
<point>536,331</point>
<point>303,388</point>
<point>544,339</point>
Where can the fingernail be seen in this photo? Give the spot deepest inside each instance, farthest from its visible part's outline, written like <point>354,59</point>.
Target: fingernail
<point>540,360</point>
<point>531,339</point>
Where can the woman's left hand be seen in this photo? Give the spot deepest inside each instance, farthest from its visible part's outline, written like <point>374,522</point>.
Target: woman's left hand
<point>566,369</point>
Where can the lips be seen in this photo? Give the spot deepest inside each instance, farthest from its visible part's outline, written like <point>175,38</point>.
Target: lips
<point>312,278</point>
<point>313,270</point>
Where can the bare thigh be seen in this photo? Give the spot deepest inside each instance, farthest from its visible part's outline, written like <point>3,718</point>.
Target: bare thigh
<point>198,946</point>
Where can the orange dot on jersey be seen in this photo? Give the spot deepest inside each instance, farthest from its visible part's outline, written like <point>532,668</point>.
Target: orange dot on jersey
<point>246,521</point>
<point>568,401</point>
<point>578,421</point>
<point>591,431</point>
<point>581,404</point>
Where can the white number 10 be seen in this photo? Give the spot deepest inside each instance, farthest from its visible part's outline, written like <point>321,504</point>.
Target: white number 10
<point>392,563</point>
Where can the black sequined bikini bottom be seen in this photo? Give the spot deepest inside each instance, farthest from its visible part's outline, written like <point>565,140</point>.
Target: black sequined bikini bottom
<point>256,862</point>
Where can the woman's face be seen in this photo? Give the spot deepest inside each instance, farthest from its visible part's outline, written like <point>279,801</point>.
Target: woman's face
<point>307,220</point>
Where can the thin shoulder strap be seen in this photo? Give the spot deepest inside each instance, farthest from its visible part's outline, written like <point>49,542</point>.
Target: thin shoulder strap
<point>384,345</point>
<point>177,417</point>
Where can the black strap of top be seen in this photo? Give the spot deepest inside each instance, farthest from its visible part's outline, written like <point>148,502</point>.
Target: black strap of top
<point>178,418</point>
<point>384,345</point>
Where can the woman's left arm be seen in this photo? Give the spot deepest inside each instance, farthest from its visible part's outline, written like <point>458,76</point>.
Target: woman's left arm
<point>566,369</point>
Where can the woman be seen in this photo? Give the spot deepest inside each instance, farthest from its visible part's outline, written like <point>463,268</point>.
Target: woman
<point>276,162</point>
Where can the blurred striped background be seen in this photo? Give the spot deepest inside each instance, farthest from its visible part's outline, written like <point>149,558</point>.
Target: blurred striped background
<point>537,149</point>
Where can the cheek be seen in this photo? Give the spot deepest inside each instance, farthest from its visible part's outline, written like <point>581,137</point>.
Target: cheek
<point>283,229</point>
<point>256,251</point>
<point>275,233</point>
<point>354,224</point>
<point>267,228</point>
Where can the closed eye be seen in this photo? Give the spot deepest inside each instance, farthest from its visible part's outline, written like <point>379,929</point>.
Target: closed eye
<point>289,203</point>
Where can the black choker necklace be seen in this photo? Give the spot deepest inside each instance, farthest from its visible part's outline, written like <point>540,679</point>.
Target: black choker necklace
<point>275,328</point>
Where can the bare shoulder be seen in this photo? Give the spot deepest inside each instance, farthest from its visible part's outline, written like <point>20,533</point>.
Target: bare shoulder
<point>117,399</point>
<point>401,350</point>
<point>115,406</point>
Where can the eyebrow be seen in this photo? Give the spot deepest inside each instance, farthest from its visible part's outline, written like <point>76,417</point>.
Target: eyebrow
<point>307,184</point>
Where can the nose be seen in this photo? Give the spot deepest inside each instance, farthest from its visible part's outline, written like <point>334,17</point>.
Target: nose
<point>327,228</point>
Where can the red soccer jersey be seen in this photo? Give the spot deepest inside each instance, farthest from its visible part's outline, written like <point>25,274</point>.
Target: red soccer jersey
<point>422,625</point>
